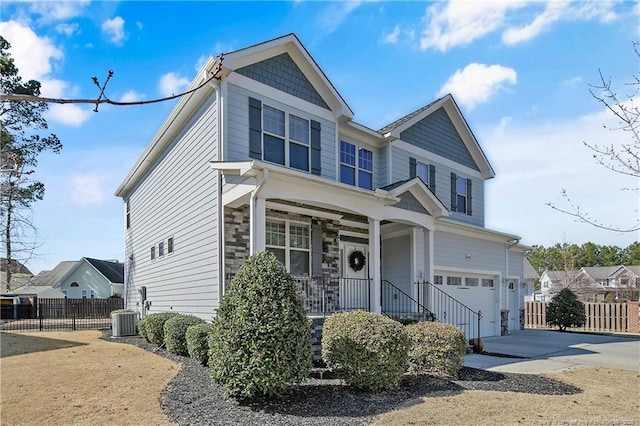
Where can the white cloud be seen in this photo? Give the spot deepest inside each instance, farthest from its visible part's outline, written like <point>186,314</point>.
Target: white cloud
<point>200,62</point>
<point>68,29</point>
<point>131,96</point>
<point>114,30</point>
<point>86,190</point>
<point>458,23</point>
<point>33,55</point>
<point>573,81</point>
<point>334,14</point>
<point>139,25</point>
<point>478,83</point>
<point>552,13</point>
<point>535,161</point>
<point>393,36</point>
<point>58,10</point>
<point>172,84</point>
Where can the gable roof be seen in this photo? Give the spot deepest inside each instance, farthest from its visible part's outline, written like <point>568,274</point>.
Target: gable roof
<point>422,193</point>
<point>113,271</point>
<point>51,278</point>
<point>393,130</point>
<point>599,273</point>
<point>529,272</point>
<point>291,45</point>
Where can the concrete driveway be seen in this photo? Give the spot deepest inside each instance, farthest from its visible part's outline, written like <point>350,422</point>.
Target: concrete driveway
<point>546,351</point>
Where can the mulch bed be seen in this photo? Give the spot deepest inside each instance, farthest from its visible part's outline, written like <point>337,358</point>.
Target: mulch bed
<point>192,398</point>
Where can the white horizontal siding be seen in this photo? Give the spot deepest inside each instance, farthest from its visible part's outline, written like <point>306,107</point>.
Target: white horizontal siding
<point>178,199</point>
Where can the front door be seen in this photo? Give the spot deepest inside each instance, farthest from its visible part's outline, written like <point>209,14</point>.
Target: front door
<point>354,285</point>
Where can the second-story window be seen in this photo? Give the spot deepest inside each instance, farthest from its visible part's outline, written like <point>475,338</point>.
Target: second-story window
<point>281,147</point>
<point>422,171</point>
<point>355,169</point>
<point>461,189</point>
<point>460,194</point>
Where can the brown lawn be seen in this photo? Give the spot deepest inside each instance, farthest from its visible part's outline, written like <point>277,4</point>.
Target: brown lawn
<point>62,378</point>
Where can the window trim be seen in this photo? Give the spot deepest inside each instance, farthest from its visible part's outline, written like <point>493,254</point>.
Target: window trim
<point>153,252</point>
<point>286,138</point>
<point>357,166</point>
<point>287,240</point>
<point>127,214</point>
<point>170,248</point>
<point>161,249</point>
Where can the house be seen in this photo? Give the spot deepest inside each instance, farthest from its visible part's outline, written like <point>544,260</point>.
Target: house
<point>593,283</point>
<point>93,279</point>
<point>20,275</point>
<point>85,279</point>
<point>265,155</point>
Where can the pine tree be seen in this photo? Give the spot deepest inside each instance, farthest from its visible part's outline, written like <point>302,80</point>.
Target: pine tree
<point>565,310</point>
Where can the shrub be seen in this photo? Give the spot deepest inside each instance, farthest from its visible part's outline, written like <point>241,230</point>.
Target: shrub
<point>198,341</point>
<point>154,326</point>
<point>260,342</point>
<point>565,310</point>
<point>175,330</point>
<point>142,329</point>
<point>122,311</point>
<point>369,350</point>
<point>436,348</point>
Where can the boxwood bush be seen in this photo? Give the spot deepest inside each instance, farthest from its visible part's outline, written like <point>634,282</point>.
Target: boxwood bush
<point>142,330</point>
<point>154,326</point>
<point>198,341</point>
<point>260,342</point>
<point>369,350</point>
<point>175,330</point>
<point>436,348</point>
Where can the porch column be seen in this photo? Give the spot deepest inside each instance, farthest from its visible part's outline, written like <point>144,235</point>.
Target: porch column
<point>257,224</point>
<point>374,266</point>
<point>431,253</point>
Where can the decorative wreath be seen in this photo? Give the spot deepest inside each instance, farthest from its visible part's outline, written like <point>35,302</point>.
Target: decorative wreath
<point>357,260</point>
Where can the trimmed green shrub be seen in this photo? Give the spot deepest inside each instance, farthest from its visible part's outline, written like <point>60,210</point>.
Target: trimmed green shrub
<point>142,329</point>
<point>198,341</point>
<point>175,330</point>
<point>565,310</point>
<point>368,349</point>
<point>121,311</point>
<point>435,347</point>
<point>154,326</point>
<point>260,342</point>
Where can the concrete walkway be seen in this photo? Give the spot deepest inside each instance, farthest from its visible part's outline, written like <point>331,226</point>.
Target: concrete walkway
<point>546,351</point>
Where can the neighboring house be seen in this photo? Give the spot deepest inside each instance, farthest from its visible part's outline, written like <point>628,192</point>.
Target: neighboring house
<point>268,157</point>
<point>93,279</point>
<point>84,279</point>
<point>593,283</point>
<point>20,275</point>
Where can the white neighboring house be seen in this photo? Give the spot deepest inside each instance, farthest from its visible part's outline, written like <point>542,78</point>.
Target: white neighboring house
<point>92,279</point>
<point>269,157</point>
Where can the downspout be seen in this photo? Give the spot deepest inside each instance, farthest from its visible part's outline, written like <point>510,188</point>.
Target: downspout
<point>252,210</point>
<point>222,280</point>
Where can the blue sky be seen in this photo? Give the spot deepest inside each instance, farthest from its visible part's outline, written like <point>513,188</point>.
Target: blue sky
<point>520,72</point>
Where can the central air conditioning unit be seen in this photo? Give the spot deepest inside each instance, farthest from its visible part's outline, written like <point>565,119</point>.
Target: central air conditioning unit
<point>124,324</point>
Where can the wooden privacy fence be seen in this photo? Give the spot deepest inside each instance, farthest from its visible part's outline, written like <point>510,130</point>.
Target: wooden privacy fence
<point>609,317</point>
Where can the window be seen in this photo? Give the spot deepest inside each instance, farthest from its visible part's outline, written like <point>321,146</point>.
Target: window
<point>357,174</point>
<point>461,189</point>
<point>437,279</point>
<point>93,294</point>
<point>84,293</point>
<point>74,284</point>
<point>471,282</point>
<point>290,242</point>
<point>127,214</point>
<point>511,286</point>
<point>153,252</point>
<point>170,245</point>
<point>161,249</point>
<point>454,281</point>
<point>295,152</point>
<point>487,282</point>
<point>422,171</point>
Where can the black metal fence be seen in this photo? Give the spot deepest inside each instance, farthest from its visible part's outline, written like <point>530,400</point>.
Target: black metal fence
<point>327,295</point>
<point>399,305</point>
<point>60,314</point>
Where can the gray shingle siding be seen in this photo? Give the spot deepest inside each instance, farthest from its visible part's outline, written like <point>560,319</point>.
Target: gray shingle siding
<point>282,73</point>
<point>436,133</point>
<point>409,202</point>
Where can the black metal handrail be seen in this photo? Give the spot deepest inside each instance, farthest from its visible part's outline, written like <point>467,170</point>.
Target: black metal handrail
<point>450,310</point>
<point>399,305</point>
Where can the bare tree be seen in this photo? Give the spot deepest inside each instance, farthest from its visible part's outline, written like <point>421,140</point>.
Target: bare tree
<point>623,158</point>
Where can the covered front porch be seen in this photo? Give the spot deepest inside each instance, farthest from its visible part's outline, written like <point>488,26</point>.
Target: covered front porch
<point>346,248</point>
